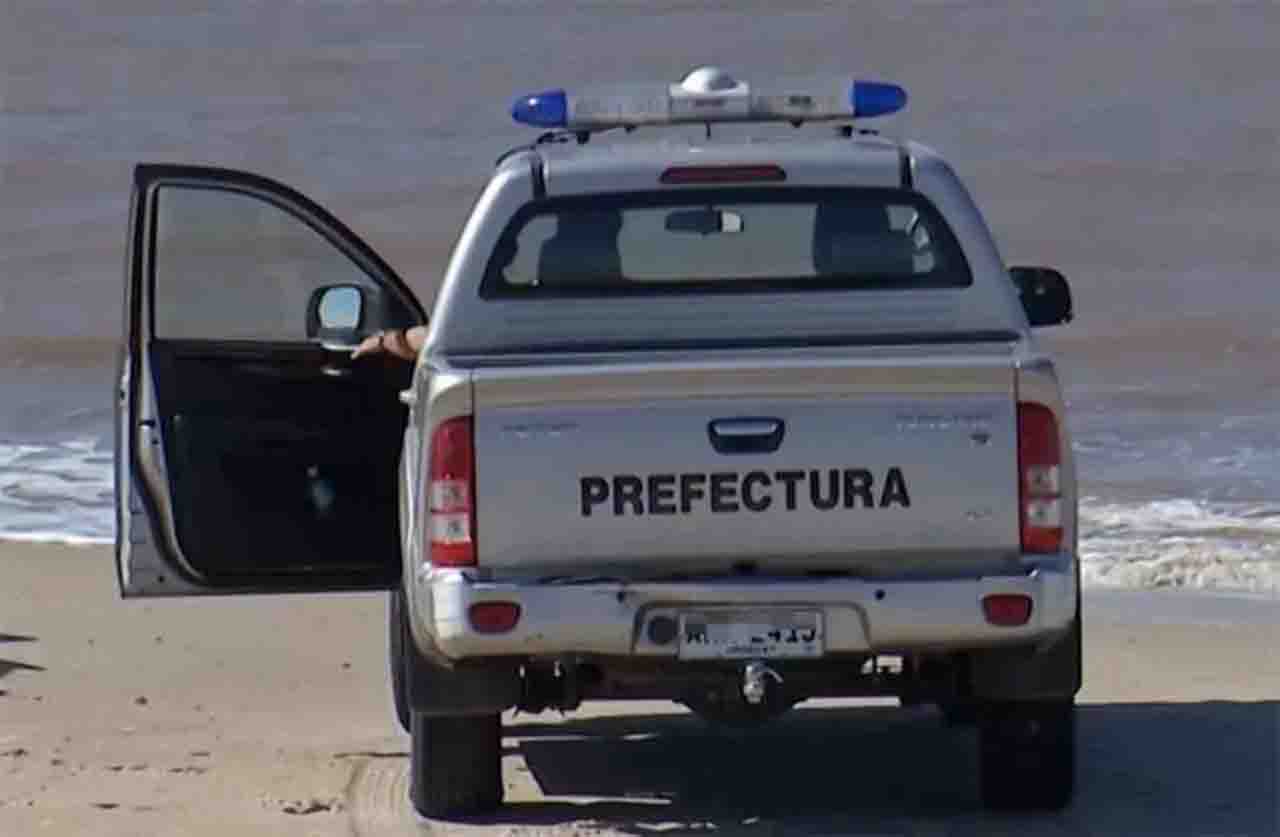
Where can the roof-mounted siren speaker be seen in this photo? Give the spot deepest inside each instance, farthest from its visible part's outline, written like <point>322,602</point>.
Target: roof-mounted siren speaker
<point>709,94</point>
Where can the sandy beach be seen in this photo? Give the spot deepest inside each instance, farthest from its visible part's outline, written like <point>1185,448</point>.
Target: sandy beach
<point>272,716</point>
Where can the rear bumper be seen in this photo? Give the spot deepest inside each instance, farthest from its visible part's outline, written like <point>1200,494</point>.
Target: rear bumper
<point>860,616</point>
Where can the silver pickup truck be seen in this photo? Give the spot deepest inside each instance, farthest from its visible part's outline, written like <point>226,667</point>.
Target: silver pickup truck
<point>733,423</point>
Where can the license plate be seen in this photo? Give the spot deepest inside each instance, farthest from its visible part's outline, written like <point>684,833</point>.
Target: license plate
<point>756,634</point>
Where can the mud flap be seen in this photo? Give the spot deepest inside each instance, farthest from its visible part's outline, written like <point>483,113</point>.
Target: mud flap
<point>1028,672</point>
<point>466,689</point>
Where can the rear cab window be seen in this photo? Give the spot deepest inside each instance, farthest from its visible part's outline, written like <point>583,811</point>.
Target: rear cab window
<point>730,240</point>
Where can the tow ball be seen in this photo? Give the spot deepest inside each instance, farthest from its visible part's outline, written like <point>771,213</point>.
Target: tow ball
<point>755,681</point>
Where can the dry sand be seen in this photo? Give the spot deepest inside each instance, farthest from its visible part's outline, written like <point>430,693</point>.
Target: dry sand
<point>272,716</point>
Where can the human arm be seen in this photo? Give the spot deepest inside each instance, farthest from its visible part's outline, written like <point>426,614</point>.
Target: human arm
<point>402,343</point>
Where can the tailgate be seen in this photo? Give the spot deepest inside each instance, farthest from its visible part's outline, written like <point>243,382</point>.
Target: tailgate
<point>868,465</point>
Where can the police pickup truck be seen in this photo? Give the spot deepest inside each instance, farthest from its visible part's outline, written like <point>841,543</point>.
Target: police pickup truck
<point>731,423</point>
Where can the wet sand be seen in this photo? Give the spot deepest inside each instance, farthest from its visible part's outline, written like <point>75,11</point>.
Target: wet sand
<point>272,715</point>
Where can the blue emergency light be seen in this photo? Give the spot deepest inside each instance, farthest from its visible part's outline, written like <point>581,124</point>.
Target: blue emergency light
<point>706,95</point>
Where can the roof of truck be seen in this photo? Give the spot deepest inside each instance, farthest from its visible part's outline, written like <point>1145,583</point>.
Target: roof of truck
<point>805,158</point>
<point>802,143</point>
<point>621,138</point>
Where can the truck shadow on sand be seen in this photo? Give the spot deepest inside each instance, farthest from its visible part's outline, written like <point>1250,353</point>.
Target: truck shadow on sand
<point>1147,768</point>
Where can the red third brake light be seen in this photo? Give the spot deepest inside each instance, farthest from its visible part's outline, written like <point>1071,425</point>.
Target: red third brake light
<point>1039,478</point>
<point>451,495</point>
<point>680,175</point>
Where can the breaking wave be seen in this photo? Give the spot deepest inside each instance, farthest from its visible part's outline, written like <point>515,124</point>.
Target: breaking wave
<point>1181,543</point>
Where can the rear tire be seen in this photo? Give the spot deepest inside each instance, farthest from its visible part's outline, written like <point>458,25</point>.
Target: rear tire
<point>455,764</point>
<point>1028,754</point>
<point>398,641</point>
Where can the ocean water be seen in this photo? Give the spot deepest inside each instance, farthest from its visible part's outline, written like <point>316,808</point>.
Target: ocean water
<point>61,491</point>
<point>1134,145</point>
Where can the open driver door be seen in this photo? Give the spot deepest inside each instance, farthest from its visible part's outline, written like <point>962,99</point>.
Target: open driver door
<point>252,454</point>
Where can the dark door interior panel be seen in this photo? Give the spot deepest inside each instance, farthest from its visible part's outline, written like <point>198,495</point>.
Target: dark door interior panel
<point>282,460</point>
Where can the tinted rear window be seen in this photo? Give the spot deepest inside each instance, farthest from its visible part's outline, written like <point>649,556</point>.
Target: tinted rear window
<point>726,240</point>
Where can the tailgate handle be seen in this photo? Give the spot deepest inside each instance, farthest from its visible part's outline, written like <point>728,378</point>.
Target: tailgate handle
<point>746,435</point>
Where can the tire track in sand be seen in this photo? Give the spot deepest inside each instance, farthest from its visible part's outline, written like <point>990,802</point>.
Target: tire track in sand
<point>377,797</point>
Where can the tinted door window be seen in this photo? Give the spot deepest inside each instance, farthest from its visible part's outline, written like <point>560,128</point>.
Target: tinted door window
<point>234,266</point>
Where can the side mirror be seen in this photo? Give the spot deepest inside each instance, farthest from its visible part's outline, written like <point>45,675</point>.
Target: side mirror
<point>336,314</point>
<point>1045,295</point>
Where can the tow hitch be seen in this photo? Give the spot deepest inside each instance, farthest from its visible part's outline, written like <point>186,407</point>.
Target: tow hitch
<point>755,681</point>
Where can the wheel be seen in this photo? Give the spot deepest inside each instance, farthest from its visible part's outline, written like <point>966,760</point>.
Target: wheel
<point>398,641</point>
<point>1027,754</point>
<point>455,764</point>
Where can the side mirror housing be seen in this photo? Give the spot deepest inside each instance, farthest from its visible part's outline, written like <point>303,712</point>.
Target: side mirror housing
<point>336,315</point>
<point>1045,295</point>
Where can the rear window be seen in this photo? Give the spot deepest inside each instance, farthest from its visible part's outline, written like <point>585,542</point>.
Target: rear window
<point>725,240</point>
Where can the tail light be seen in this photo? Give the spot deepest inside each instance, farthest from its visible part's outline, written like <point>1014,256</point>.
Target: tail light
<point>1007,610</point>
<point>451,494</point>
<point>1040,485</point>
<point>494,617</point>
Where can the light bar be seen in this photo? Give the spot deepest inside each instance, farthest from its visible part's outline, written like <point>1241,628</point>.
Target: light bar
<point>709,94</point>
<point>549,109</point>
